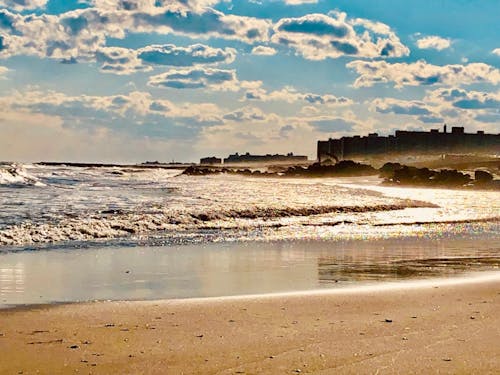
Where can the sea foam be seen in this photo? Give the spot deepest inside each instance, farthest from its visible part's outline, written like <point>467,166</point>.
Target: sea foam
<point>16,175</point>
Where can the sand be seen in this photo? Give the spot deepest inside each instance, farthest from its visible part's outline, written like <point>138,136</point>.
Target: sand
<point>426,329</point>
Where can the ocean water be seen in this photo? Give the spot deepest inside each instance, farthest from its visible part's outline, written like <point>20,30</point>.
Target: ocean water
<point>69,207</point>
<point>105,217</point>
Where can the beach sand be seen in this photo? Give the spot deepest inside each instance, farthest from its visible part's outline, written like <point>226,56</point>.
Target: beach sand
<point>426,329</point>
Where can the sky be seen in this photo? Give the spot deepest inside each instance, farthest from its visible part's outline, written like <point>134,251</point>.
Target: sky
<point>137,80</point>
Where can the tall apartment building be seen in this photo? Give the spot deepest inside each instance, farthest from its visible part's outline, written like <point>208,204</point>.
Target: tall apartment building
<point>408,142</point>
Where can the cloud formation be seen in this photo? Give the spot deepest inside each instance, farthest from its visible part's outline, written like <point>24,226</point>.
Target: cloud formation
<point>134,108</point>
<point>121,61</point>
<point>197,78</point>
<point>78,34</point>
<point>320,36</point>
<point>153,5</point>
<point>401,107</point>
<point>421,73</point>
<point>463,99</point>
<point>451,105</point>
<point>496,51</point>
<point>21,5</point>
<point>300,2</point>
<point>196,54</point>
<point>422,111</point>
<point>208,23</point>
<point>264,51</point>
<point>290,95</point>
<point>248,114</point>
<point>433,42</point>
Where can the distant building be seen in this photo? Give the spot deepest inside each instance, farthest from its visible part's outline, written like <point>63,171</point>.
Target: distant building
<point>276,158</point>
<point>407,142</point>
<point>210,161</point>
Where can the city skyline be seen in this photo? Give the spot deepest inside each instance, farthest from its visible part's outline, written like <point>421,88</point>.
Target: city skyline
<point>135,80</point>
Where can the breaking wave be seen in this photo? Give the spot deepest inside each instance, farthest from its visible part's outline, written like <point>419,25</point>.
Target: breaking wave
<point>12,175</point>
<point>110,225</point>
<point>85,206</point>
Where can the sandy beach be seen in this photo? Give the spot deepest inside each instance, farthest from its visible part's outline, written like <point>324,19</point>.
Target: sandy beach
<point>425,328</point>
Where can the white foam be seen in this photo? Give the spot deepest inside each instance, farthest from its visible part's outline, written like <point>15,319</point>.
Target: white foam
<point>15,174</point>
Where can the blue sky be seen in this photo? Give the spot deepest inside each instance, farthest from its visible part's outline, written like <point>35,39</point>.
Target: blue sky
<point>135,80</point>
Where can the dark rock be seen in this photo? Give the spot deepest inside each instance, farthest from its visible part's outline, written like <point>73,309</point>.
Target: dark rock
<point>483,176</point>
<point>425,177</point>
<point>343,168</point>
<point>199,171</point>
<point>388,169</point>
<point>451,177</point>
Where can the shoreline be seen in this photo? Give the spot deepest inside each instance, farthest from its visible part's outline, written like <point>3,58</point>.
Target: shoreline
<point>479,277</point>
<point>279,267</point>
<point>464,279</point>
<point>436,327</point>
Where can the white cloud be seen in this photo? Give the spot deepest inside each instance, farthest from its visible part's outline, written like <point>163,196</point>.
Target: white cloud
<point>400,107</point>
<point>201,77</point>
<point>196,54</point>
<point>121,61</point>
<point>496,51</point>
<point>136,107</point>
<point>421,73</point>
<point>124,61</point>
<point>445,105</point>
<point>420,110</point>
<point>248,129</point>
<point>57,142</point>
<point>3,71</point>
<point>153,5</point>
<point>264,51</point>
<point>246,114</point>
<point>78,34</point>
<point>433,42</point>
<point>320,36</point>
<point>300,2</point>
<point>480,106</point>
<point>209,23</point>
<point>290,95</point>
<point>468,99</point>
<point>20,5</point>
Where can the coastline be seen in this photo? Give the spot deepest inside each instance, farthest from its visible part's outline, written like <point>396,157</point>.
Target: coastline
<point>447,326</point>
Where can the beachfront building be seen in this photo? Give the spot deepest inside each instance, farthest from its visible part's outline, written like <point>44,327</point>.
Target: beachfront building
<point>212,160</point>
<point>403,142</point>
<point>268,158</point>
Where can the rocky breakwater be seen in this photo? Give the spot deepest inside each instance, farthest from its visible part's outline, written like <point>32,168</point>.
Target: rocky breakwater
<point>403,175</point>
<point>206,171</point>
<point>343,168</point>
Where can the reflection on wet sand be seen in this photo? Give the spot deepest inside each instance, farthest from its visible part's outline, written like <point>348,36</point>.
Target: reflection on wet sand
<point>390,260</point>
<point>330,270</point>
<point>211,270</point>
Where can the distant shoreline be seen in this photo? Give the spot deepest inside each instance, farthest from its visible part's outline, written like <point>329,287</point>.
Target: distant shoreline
<point>112,165</point>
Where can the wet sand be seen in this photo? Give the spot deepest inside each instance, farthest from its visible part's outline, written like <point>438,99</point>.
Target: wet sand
<point>429,328</point>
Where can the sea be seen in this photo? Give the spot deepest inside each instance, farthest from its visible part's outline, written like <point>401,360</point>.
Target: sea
<point>71,234</point>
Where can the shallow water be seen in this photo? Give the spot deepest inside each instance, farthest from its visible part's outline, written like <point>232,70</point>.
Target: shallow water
<point>78,234</point>
<point>225,269</point>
